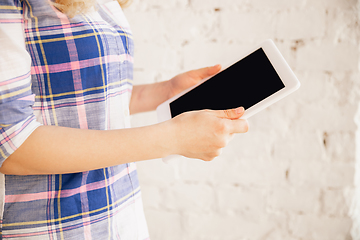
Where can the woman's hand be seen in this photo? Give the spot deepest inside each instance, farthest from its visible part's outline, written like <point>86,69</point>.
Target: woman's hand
<point>202,134</point>
<point>148,96</point>
<point>188,79</point>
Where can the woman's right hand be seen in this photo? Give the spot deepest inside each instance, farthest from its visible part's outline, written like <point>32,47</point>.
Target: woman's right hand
<point>202,134</point>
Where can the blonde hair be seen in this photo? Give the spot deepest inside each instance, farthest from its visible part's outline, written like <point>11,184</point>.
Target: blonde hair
<point>74,7</point>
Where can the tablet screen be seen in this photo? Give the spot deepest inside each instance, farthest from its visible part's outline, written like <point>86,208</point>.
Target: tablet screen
<point>244,83</point>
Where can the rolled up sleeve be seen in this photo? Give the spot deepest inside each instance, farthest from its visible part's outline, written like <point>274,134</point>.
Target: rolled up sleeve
<point>17,120</point>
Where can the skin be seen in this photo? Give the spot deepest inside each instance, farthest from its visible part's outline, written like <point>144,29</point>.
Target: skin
<point>197,134</point>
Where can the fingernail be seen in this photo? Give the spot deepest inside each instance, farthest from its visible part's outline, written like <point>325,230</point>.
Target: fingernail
<point>240,110</point>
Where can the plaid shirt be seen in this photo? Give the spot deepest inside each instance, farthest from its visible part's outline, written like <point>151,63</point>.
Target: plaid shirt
<point>75,73</point>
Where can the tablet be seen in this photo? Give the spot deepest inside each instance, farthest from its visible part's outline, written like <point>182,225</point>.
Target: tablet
<point>260,78</point>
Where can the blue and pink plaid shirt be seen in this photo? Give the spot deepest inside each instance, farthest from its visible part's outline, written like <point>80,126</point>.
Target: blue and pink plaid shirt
<point>74,73</point>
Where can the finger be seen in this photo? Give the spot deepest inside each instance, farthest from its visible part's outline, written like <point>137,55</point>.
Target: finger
<point>213,70</point>
<point>238,126</point>
<point>230,113</point>
<point>204,72</point>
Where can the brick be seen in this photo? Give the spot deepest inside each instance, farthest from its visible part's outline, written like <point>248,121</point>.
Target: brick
<point>327,56</point>
<point>335,202</point>
<point>277,4</point>
<point>324,4</point>
<point>301,24</point>
<point>248,202</point>
<point>304,146</point>
<point>248,26</point>
<point>199,54</point>
<point>252,171</point>
<point>319,228</point>
<point>298,200</point>
<point>339,146</point>
<point>316,117</point>
<point>321,174</point>
<point>336,86</point>
<point>190,26</point>
<point>341,24</point>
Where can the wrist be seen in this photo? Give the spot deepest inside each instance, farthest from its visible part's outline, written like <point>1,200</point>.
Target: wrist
<point>168,85</point>
<point>169,139</point>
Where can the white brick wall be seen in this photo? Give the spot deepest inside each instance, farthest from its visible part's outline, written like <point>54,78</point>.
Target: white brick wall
<point>291,176</point>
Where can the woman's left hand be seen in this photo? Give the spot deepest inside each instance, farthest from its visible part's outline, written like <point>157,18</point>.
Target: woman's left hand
<point>148,96</point>
<point>188,79</point>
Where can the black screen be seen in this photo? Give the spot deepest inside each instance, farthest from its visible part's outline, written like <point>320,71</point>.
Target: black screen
<point>245,83</point>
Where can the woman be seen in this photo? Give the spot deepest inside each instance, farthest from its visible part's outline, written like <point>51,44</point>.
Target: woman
<point>66,77</point>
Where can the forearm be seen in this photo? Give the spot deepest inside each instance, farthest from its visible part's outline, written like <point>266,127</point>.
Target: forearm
<point>58,150</point>
<point>147,97</point>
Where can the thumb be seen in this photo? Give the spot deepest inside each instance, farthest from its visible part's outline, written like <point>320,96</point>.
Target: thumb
<point>230,113</point>
<point>204,72</point>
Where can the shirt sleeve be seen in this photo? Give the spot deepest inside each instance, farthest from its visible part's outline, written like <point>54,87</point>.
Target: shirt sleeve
<point>17,120</point>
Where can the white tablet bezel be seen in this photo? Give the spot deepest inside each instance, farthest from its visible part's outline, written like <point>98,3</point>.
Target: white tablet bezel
<point>280,65</point>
